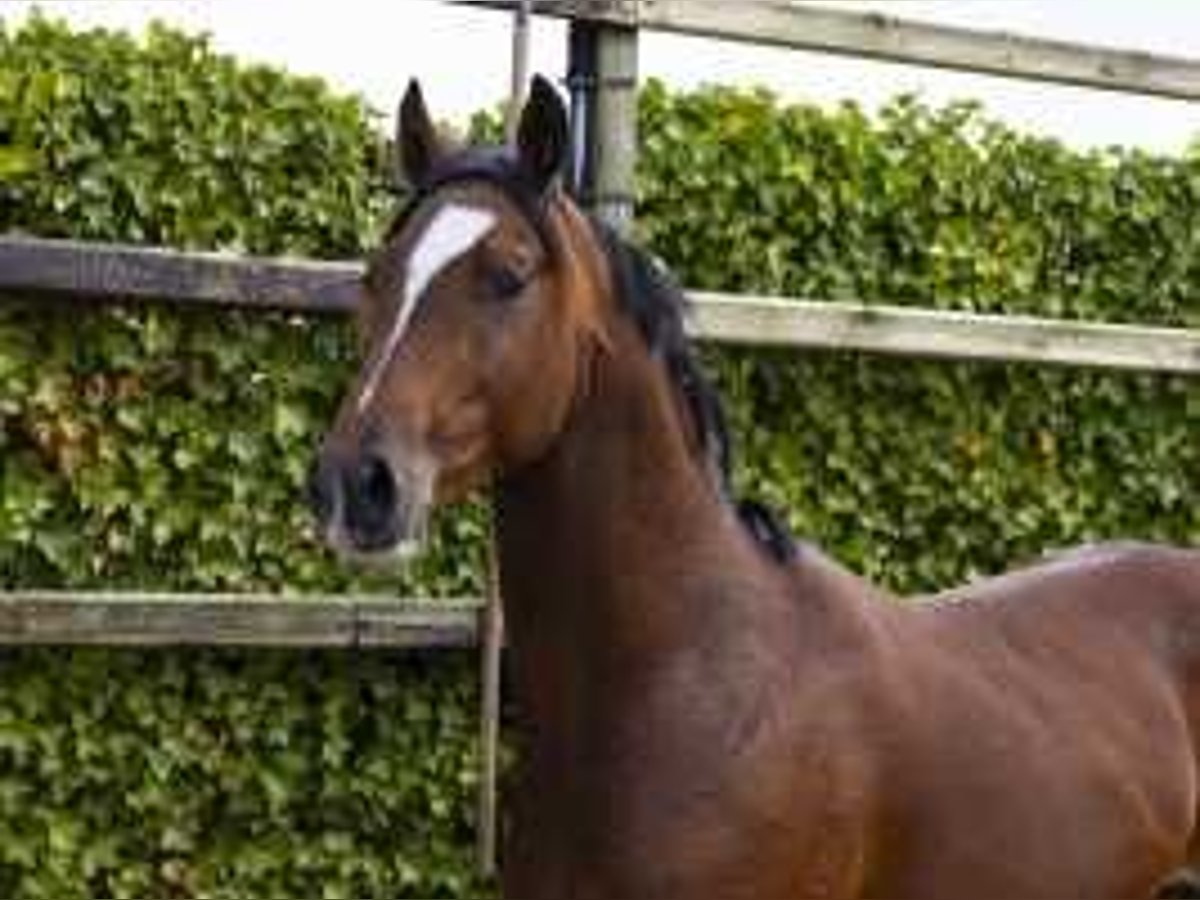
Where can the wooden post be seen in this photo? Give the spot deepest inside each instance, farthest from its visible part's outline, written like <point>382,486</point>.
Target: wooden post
<point>615,136</point>
<point>491,634</point>
<point>603,79</point>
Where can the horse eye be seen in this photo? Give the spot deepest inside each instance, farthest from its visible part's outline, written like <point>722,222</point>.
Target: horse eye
<point>505,282</point>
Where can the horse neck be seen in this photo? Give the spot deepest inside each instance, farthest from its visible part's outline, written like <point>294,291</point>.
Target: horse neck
<point>604,533</point>
<point>621,561</point>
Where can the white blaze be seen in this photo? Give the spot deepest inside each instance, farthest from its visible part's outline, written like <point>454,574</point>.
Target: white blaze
<point>454,230</point>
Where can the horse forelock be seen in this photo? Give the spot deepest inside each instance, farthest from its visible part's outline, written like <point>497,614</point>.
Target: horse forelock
<point>497,167</point>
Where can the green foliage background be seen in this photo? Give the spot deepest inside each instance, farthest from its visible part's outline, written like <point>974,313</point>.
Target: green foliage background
<point>923,473</point>
<point>149,447</point>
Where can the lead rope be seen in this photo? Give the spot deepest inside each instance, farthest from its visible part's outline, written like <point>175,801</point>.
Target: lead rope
<point>491,616</point>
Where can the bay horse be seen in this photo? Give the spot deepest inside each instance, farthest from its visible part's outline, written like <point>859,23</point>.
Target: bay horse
<point>709,708</point>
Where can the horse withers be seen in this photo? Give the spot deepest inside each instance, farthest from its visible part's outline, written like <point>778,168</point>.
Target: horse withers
<point>709,710</point>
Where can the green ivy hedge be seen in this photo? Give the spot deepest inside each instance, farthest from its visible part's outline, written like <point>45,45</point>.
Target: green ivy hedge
<point>113,473</point>
<point>148,447</point>
<point>921,473</point>
<point>164,141</point>
<point>235,775</point>
<point>941,208</point>
<point>151,447</point>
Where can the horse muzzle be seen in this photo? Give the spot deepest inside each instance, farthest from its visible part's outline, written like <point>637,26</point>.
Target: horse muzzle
<point>371,506</point>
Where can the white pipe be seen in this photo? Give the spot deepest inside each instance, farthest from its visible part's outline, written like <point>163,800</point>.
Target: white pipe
<point>520,66</point>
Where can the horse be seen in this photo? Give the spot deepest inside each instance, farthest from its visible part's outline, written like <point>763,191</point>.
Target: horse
<point>708,707</point>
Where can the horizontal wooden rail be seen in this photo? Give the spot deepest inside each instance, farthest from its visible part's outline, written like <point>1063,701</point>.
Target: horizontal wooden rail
<point>66,618</point>
<point>80,269</point>
<point>912,331</point>
<point>51,267</point>
<point>877,36</point>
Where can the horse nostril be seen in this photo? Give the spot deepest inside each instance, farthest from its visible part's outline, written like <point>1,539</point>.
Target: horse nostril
<point>375,489</point>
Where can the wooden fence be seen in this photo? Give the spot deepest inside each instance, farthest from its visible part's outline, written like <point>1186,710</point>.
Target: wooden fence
<point>99,273</point>
<point>92,273</point>
<point>783,23</point>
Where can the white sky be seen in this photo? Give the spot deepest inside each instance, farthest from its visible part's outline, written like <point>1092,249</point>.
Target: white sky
<point>461,55</point>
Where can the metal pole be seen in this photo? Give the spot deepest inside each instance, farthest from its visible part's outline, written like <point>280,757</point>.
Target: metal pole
<point>581,84</point>
<point>520,67</point>
<point>603,83</point>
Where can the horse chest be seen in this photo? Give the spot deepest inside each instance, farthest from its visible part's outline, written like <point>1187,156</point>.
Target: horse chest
<point>684,852</point>
<point>725,812</point>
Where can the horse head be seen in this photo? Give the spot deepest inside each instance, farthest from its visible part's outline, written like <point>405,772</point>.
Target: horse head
<point>471,321</point>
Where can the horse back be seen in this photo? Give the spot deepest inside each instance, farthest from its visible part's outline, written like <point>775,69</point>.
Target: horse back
<point>1077,679</point>
<point>1123,597</point>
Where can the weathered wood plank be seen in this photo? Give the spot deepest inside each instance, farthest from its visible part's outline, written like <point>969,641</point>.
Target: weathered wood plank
<point>877,36</point>
<point>719,317</point>
<point>911,331</point>
<point>232,620</point>
<point>614,127</point>
<point>116,271</point>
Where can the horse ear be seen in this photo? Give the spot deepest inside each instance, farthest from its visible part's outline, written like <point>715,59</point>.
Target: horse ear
<point>417,144</point>
<point>542,133</point>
